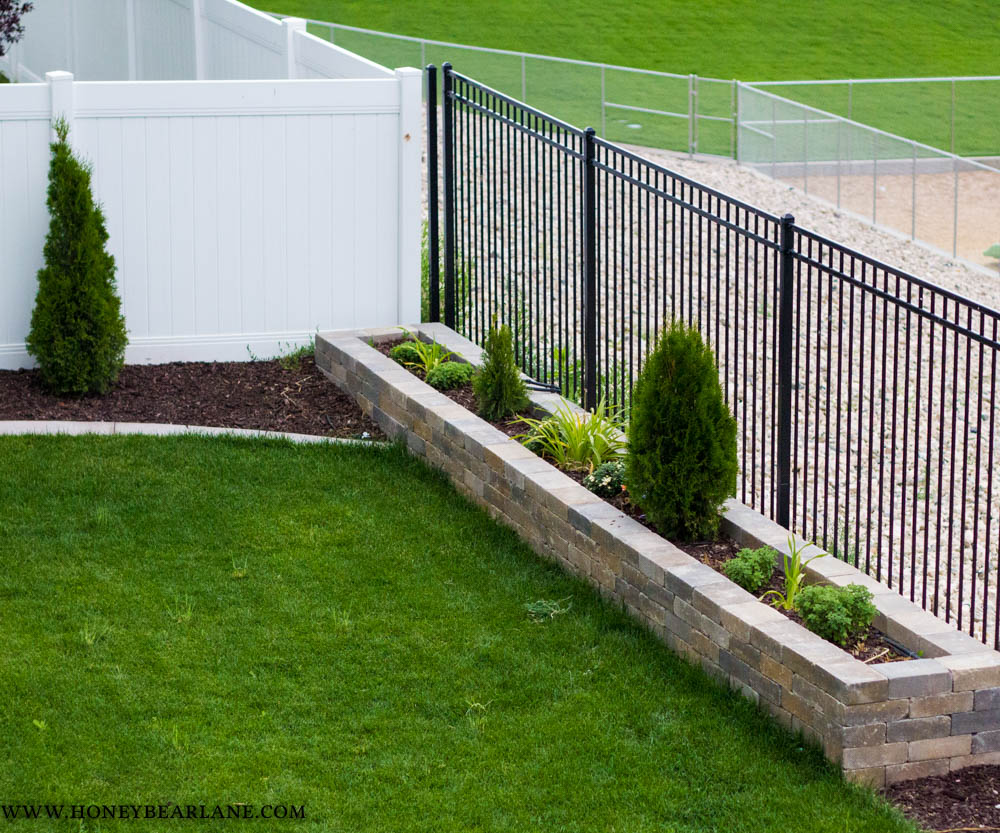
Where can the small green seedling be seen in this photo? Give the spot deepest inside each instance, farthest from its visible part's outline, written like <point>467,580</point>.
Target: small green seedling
<point>794,575</point>
<point>544,610</point>
<point>476,713</point>
<point>40,725</point>
<point>182,611</point>
<point>92,632</point>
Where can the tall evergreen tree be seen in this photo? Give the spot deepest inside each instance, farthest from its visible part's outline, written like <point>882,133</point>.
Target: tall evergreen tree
<point>77,330</point>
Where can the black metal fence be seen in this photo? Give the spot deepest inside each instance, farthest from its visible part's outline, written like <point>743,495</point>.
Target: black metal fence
<point>866,397</point>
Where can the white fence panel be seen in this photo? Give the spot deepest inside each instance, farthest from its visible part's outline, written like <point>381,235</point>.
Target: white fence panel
<point>24,158</point>
<point>239,213</point>
<point>157,40</point>
<point>317,58</point>
<point>164,44</point>
<point>240,42</point>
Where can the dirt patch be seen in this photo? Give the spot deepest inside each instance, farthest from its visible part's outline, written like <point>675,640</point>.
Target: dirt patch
<point>965,800</point>
<point>264,395</point>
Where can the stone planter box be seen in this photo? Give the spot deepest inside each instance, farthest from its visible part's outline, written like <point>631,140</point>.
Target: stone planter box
<point>880,723</point>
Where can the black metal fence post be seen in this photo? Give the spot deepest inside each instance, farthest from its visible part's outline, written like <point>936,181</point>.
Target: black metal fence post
<point>589,271</point>
<point>786,292</point>
<point>433,255</point>
<point>449,195</point>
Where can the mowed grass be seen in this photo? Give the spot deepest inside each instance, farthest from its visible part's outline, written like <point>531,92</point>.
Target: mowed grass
<point>198,620</point>
<point>724,39</point>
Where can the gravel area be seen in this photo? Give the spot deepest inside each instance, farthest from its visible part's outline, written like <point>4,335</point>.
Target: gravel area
<point>778,197</point>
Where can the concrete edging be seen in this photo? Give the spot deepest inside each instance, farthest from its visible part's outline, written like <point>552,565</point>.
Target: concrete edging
<point>881,724</point>
<point>21,427</point>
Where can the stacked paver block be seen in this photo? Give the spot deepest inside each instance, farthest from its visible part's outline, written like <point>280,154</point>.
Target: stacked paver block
<point>881,723</point>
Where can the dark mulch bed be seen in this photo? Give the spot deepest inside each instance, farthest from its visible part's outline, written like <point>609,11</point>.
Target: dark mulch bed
<point>263,395</point>
<point>965,800</point>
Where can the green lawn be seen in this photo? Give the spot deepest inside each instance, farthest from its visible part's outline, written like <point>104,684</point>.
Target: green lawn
<point>724,39</point>
<point>214,621</point>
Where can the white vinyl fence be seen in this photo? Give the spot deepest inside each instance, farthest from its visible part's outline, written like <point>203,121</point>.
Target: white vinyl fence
<point>241,213</point>
<point>165,40</point>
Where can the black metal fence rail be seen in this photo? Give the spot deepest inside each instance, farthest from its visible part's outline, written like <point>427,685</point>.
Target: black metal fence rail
<point>866,398</point>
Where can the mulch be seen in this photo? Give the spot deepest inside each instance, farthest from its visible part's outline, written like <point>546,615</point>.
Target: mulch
<point>966,800</point>
<point>263,395</point>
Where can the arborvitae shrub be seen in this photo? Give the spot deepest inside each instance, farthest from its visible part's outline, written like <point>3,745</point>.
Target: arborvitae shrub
<point>498,386</point>
<point>77,330</point>
<point>681,462</point>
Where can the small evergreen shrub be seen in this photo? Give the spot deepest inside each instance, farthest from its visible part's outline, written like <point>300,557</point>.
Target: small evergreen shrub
<point>448,375</point>
<point>751,569</point>
<point>681,462</point>
<point>405,353</point>
<point>607,480</point>
<point>838,614</point>
<point>77,330</point>
<point>498,386</point>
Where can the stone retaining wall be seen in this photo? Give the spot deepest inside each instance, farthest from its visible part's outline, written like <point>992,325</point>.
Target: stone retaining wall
<point>881,723</point>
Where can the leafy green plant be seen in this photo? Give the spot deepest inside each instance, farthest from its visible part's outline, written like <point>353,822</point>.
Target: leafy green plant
<point>429,355</point>
<point>449,375</point>
<point>499,388</point>
<point>794,575</point>
<point>574,440</point>
<point>681,463</point>
<point>993,251</point>
<point>405,353</point>
<point>292,358</point>
<point>77,332</point>
<point>545,610</point>
<point>838,614</point>
<point>751,569</point>
<point>607,480</point>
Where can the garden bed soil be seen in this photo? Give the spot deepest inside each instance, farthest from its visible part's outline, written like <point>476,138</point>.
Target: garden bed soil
<point>464,395</point>
<point>873,649</point>
<point>263,395</point>
<point>965,800</point>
